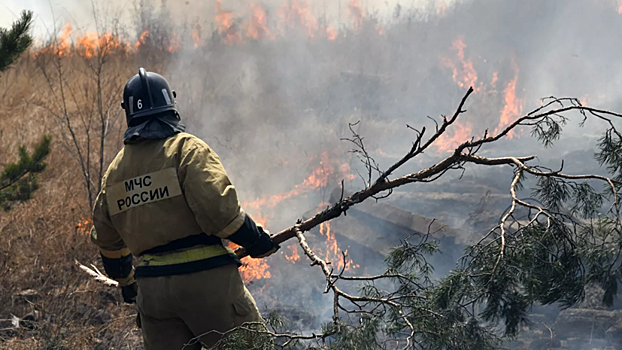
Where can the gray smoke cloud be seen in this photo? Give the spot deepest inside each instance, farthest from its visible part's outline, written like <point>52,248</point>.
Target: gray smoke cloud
<point>80,13</point>
<point>270,108</point>
<point>268,101</point>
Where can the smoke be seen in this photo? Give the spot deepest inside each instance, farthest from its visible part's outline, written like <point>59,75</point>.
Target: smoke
<point>264,102</point>
<point>272,106</point>
<point>81,13</point>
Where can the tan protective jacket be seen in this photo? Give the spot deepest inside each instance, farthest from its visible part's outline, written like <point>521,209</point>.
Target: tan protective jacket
<point>158,191</point>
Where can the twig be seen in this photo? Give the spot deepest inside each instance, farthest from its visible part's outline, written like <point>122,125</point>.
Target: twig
<point>98,275</point>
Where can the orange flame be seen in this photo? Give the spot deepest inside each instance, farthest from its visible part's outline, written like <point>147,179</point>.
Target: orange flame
<point>94,44</point>
<point>513,106</point>
<point>495,77</point>
<point>225,25</point>
<point>63,43</point>
<point>333,253</point>
<point>88,45</point>
<point>196,36</point>
<point>620,7</point>
<point>453,137</point>
<point>293,256</point>
<point>142,40</point>
<point>357,13</point>
<point>319,178</point>
<point>252,269</point>
<point>83,226</point>
<point>258,25</point>
<point>295,13</point>
<point>175,43</point>
<point>467,76</point>
<point>233,30</point>
<point>61,46</point>
<point>332,33</point>
<point>255,269</point>
<point>346,172</point>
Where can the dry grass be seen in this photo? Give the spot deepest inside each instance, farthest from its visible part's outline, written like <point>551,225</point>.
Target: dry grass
<point>40,239</point>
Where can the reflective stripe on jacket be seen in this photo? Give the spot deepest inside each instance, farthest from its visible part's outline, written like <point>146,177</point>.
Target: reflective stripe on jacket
<point>185,261</point>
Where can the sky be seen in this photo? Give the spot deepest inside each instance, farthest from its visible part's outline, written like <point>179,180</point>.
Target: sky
<point>80,12</point>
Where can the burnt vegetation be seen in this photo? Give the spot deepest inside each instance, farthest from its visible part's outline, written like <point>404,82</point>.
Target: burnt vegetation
<point>545,250</point>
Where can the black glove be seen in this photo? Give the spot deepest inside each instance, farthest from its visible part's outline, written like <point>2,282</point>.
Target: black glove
<point>121,270</point>
<point>252,237</point>
<point>263,248</point>
<point>129,293</point>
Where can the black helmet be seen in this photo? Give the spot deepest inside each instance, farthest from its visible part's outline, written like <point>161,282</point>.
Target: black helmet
<point>147,94</point>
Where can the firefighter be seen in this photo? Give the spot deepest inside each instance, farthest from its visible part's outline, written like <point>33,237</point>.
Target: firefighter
<point>167,200</point>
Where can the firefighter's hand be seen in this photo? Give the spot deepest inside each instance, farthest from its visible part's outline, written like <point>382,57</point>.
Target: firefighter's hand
<point>264,246</point>
<point>268,253</point>
<point>129,293</point>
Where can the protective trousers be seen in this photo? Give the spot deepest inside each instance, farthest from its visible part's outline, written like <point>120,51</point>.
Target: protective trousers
<point>176,309</point>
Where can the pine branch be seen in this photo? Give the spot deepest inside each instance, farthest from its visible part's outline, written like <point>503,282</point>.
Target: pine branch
<point>513,266</point>
<point>14,41</point>
<point>18,181</point>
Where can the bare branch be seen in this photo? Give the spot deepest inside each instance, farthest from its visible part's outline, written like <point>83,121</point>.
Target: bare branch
<point>95,273</point>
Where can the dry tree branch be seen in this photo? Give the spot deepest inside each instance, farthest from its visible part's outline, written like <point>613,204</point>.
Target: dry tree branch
<point>464,153</point>
<point>248,326</point>
<point>62,113</point>
<point>382,184</point>
<point>517,177</point>
<point>97,275</point>
<point>337,293</point>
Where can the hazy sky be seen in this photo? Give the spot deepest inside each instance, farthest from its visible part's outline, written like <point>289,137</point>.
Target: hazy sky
<point>80,12</point>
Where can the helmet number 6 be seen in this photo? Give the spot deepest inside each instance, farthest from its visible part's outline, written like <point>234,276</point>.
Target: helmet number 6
<point>139,104</point>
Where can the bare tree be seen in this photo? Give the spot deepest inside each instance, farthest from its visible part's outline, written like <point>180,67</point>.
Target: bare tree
<point>81,89</point>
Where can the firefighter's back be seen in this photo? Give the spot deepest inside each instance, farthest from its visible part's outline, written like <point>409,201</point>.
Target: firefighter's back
<point>144,195</point>
<point>167,200</point>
